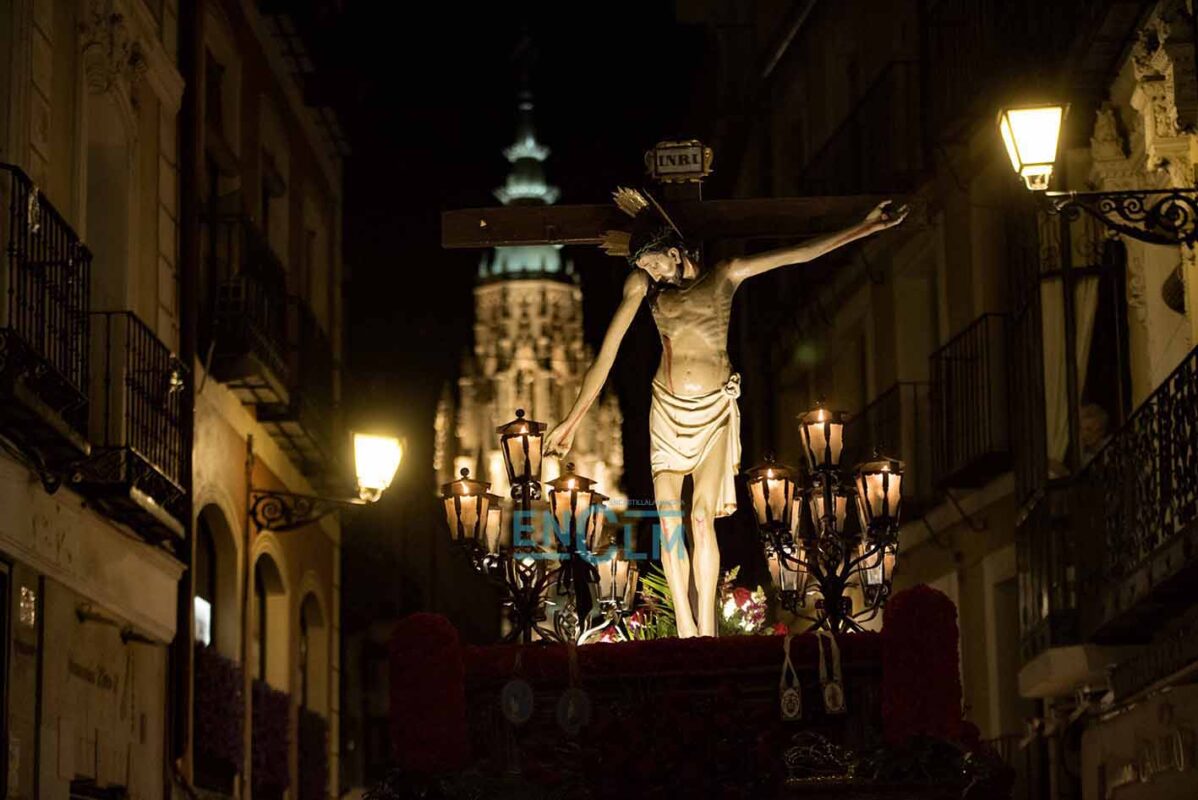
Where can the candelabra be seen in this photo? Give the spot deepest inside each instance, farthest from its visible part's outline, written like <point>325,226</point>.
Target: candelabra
<point>818,550</point>
<point>529,560</point>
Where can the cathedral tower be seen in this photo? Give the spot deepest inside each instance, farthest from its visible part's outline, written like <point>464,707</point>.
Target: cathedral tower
<point>528,347</point>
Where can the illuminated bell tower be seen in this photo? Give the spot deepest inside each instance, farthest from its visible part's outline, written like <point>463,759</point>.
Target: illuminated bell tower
<point>528,347</point>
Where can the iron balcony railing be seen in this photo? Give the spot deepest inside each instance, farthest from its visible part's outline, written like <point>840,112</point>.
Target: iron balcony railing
<point>970,437</point>
<point>248,296</point>
<point>1136,504</point>
<point>136,426</point>
<point>304,425</point>
<point>43,315</point>
<point>898,424</point>
<point>1048,577</point>
<point>1106,555</point>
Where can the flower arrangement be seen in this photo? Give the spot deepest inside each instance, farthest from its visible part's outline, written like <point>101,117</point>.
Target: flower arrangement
<point>742,611</point>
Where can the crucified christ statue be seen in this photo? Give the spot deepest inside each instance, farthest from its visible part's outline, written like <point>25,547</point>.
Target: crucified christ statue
<point>694,422</point>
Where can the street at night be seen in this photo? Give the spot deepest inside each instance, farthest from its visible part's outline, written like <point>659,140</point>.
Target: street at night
<point>705,398</point>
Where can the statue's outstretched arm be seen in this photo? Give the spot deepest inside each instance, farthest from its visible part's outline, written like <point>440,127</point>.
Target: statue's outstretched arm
<point>885,215</point>
<point>561,438</point>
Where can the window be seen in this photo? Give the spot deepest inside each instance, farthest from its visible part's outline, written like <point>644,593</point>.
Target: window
<point>258,656</point>
<point>205,582</point>
<point>303,657</point>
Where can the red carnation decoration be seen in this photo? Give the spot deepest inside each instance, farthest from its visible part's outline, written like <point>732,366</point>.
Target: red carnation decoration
<point>741,596</point>
<point>781,629</point>
<point>428,695</point>
<point>921,679</point>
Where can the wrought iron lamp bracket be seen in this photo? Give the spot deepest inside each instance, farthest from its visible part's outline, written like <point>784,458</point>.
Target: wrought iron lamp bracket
<point>286,511</point>
<point>1163,216</point>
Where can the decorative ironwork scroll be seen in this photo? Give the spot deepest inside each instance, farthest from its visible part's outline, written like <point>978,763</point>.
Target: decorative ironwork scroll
<point>1166,216</point>
<point>286,511</point>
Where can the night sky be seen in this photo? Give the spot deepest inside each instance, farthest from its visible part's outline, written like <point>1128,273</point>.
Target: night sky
<point>428,105</point>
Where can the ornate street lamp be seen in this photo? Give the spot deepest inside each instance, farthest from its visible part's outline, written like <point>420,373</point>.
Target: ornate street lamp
<point>832,556</point>
<point>520,443</point>
<point>466,502</point>
<point>1031,134</point>
<point>772,488</point>
<point>497,535</point>
<point>788,571</point>
<point>822,432</point>
<point>829,499</point>
<point>577,512</point>
<point>879,493</point>
<point>617,583</point>
<point>376,459</point>
<point>524,568</point>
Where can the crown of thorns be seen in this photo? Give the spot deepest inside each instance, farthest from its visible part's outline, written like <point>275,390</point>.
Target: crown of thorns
<point>652,229</point>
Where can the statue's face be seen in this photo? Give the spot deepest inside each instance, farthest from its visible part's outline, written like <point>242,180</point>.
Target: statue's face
<point>662,266</point>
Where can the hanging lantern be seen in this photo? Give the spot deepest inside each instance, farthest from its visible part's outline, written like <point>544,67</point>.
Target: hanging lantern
<point>786,571</point>
<point>879,493</point>
<point>596,521</point>
<point>497,538</point>
<point>877,570</point>
<point>1031,134</point>
<point>822,432</point>
<point>772,488</point>
<point>829,503</point>
<point>570,503</point>
<point>520,442</point>
<point>466,502</point>
<point>617,581</point>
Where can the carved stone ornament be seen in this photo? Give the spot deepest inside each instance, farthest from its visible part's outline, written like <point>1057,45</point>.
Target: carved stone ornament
<point>111,53</point>
<point>1136,285</point>
<point>1107,143</point>
<point>1166,93</point>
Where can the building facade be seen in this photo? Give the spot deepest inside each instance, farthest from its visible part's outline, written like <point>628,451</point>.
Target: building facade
<point>1035,373</point>
<point>169,344</point>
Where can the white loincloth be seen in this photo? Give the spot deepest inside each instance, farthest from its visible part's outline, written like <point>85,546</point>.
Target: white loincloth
<point>683,430</point>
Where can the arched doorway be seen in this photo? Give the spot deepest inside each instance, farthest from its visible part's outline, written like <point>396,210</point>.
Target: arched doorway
<point>269,642</point>
<point>217,620</point>
<point>313,657</point>
<point>219,712</point>
<point>313,696</point>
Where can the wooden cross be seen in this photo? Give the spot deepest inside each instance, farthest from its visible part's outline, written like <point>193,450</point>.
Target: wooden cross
<point>701,220</point>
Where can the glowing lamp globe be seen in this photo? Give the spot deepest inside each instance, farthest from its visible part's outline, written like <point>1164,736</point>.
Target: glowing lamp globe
<point>617,581</point>
<point>879,493</point>
<point>466,506</point>
<point>596,521</point>
<point>829,504</point>
<point>497,537</point>
<point>822,432</point>
<point>772,488</point>
<point>570,499</point>
<point>1031,134</point>
<point>520,443</point>
<point>376,458</point>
